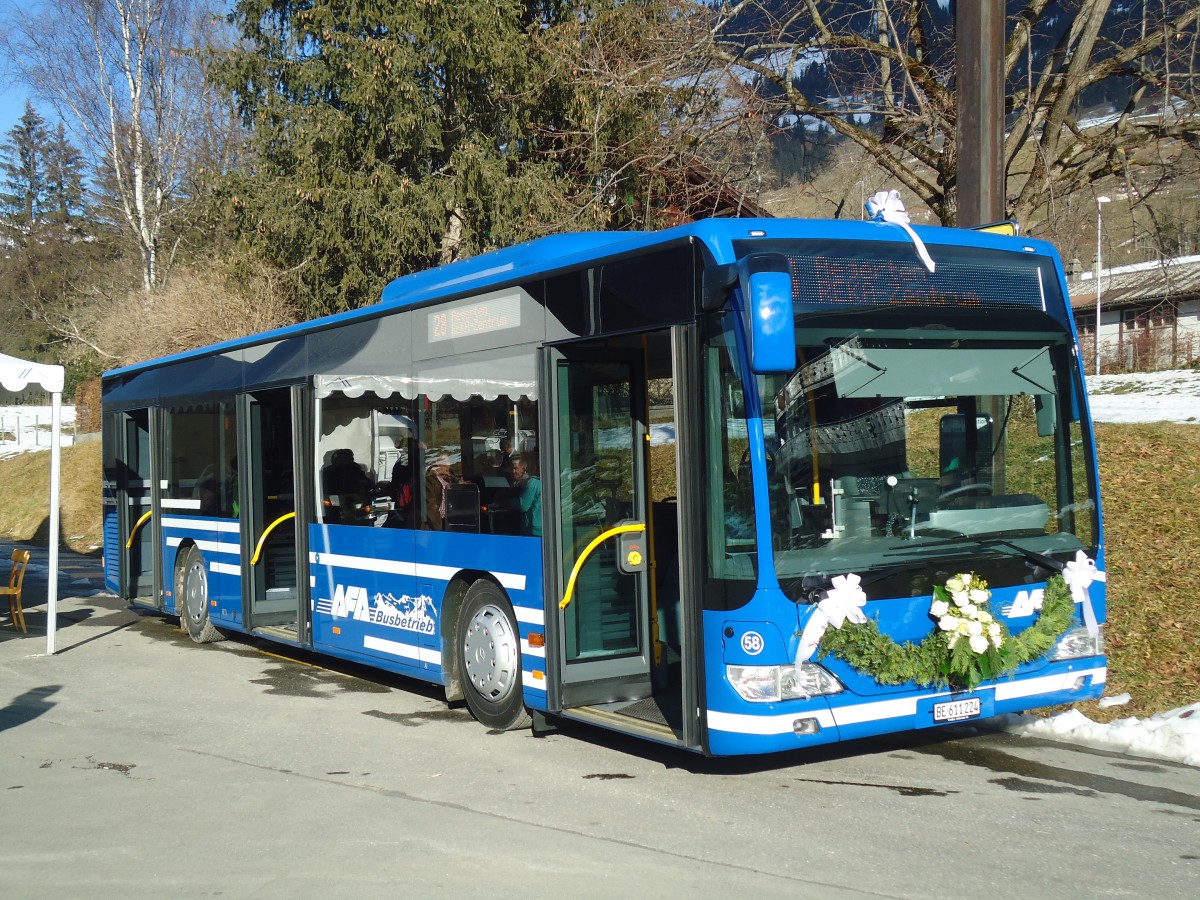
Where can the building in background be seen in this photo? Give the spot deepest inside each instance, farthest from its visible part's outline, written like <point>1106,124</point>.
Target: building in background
<point>1150,315</point>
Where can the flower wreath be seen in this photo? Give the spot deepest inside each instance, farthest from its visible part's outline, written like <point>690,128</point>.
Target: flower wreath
<point>967,647</point>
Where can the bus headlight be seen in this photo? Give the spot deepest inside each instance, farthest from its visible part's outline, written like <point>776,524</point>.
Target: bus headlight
<point>766,684</point>
<point>1077,643</point>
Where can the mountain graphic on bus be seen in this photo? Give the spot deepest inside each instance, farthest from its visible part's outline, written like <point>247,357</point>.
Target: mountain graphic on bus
<point>409,613</point>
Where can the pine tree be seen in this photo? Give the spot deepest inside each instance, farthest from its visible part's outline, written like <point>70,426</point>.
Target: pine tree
<point>391,137</point>
<point>22,161</point>
<point>63,179</point>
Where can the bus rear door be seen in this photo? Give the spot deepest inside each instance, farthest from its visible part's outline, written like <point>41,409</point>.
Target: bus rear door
<point>274,551</point>
<point>139,531</point>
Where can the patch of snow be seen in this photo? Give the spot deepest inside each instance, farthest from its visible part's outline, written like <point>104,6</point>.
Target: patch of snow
<point>1172,396</point>
<point>26,428</point>
<point>1173,735</point>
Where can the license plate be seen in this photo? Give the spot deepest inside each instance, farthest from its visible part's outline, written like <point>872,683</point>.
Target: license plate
<point>956,710</point>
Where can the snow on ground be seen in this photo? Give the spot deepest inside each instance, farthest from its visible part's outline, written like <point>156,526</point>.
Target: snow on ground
<point>1153,397</point>
<point>1173,735</point>
<point>25,428</point>
<point>1150,397</point>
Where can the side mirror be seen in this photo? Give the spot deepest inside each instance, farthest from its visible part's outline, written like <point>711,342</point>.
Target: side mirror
<point>770,328</point>
<point>765,282</point>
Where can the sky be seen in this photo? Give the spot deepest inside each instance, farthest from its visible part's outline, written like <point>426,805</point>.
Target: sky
<point>12,105</point>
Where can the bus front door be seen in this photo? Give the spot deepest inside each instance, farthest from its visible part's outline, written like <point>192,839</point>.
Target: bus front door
<point>273,547</point>
<point>599,486</point>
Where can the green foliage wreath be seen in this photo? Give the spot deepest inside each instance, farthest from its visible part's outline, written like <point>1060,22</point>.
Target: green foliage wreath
<point>935,663</point>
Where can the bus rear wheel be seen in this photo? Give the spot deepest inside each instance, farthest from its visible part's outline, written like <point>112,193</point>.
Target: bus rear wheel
<point>191,593</point>
<point>489,658</point>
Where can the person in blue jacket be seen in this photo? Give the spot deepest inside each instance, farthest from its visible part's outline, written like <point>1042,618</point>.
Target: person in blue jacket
<point>527,494</point>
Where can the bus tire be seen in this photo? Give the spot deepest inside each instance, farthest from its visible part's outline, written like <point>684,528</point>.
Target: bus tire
<point>489,658</point>
<point>191,593</point>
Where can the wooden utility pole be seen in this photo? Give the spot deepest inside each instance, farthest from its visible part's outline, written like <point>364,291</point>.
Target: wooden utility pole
<point>979,53</point>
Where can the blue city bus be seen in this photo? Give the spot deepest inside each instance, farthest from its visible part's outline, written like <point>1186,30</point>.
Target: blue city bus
<point>725,487</point>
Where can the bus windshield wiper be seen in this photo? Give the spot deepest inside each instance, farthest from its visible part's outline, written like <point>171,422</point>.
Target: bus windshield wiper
<point>1046,562</point>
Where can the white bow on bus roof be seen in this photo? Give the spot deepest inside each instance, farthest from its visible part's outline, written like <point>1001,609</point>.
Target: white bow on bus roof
<point>886,206</point>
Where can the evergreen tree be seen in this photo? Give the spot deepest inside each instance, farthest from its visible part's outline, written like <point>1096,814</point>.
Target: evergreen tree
<point>22,160</point>
<point>63,179</point>
<point>391,137</point>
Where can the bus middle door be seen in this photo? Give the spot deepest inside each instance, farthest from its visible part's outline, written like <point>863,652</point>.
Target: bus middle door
<point>599,473</point>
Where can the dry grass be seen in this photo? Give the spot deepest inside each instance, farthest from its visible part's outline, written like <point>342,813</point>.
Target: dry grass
<point>25,495</point>
<point>1151,482</point>
<point>195,308</point>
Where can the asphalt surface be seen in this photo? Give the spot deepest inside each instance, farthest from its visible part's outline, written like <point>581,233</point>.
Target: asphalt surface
<point>134,763</point>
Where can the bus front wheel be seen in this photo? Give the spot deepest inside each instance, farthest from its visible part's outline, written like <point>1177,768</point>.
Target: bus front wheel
<point>191,596</point>
<point>489,658</point>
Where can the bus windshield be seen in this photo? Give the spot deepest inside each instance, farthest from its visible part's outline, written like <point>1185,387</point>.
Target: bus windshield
<point>894,450</point>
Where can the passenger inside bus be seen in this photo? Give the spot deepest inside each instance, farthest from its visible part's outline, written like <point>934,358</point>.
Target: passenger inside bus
<point>345,484</point>
<point>527,498</point>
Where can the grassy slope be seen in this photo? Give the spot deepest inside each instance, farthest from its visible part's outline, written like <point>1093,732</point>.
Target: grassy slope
<point>1151,481</point>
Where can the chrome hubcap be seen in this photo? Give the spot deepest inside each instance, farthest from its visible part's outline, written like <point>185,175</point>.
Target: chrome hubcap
<point>491,654</point>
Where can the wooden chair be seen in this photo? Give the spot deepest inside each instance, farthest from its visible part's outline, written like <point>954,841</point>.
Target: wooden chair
<point>20,560</point>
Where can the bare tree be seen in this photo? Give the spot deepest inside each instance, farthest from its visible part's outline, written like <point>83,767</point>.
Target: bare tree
<point>890,89</point>
<point>125,77</point>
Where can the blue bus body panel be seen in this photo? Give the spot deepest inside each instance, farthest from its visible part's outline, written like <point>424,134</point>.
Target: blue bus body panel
<point>219,543</point>
<point>112,552</point>
<point>378,595</point>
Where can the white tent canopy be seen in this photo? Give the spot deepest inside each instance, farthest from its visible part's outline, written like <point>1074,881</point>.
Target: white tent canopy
<point>16,375</point>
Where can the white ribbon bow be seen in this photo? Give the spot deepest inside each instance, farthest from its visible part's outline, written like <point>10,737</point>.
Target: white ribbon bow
<point>1079,574</point>
<point>843,602</point>
<point>886,206</point>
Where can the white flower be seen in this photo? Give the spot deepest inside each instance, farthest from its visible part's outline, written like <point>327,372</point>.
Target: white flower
<point>978,596</point>
<point>970,610</point>
<point>974,628</point>
<point>948,623</point>
<point>957,585</point>
<point>965,579</point>
<point>983,616</point>
<point>979,643</point>
<point>964,627</point>
<point>959,597</point>
<point>994,631</point>
<point>939,608</point>
<point>997,640</point>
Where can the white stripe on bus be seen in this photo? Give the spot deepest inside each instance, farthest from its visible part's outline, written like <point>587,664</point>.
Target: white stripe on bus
<point>1006,690</point>
<point>166,503</point>
<point>534,684</point>
<point>532,651</point>
<point>209,546</point>
<point>739,723</point>
<point>529,615</point>
<point>408,651</point>
<point>201,525</point>
<point>397,567</point>
<point>226,568</point>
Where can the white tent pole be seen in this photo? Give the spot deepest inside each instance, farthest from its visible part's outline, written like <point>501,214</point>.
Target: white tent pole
<point>55,460</point>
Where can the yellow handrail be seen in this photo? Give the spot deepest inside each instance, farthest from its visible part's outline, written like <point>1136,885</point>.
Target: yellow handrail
<point>601,538</point>
<point>262,540</point>
<point>140,522</point>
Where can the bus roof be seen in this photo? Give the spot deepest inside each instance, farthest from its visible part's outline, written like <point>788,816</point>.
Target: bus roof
<point>560,252</point>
